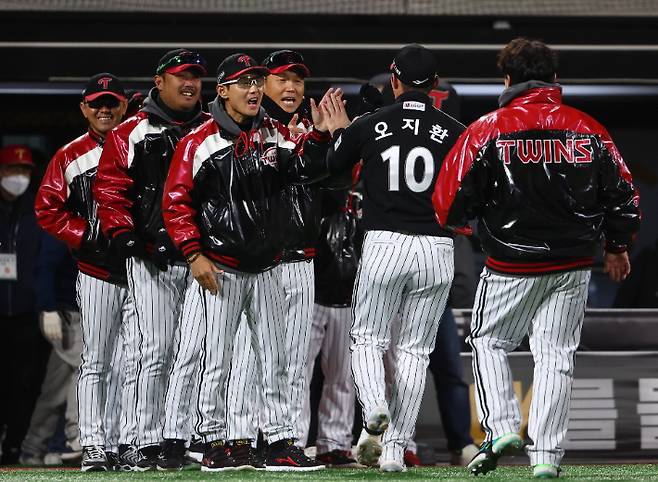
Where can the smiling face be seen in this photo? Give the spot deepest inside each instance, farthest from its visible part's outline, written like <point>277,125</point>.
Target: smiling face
<point>103,113</point>
<point>242,98</point>
<point>286,89</point>
<point>180,91</point>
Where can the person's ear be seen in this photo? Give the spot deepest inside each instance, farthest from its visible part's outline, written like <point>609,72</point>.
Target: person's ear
<point>222,91</point>
<point>83,109</point>
<point>508,81</point>
<point>159,80</point>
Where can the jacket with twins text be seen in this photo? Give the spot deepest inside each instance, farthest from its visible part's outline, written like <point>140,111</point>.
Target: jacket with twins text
<point>545,182</point>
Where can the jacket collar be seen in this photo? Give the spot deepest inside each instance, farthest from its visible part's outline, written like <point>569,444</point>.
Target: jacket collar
<point>97,138</point>
<point>416,96</point>
<point>152,107</point>
<point>531,92</point>
<point>225,121</point>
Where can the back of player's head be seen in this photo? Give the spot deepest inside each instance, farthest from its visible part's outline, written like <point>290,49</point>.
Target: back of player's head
<point>524,59</point>
<point>415,67</point>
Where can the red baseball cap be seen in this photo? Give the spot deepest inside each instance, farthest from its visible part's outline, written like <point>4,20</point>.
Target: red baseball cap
<point>283,60</point>
<point>179,60</point>
<point>16,155</point>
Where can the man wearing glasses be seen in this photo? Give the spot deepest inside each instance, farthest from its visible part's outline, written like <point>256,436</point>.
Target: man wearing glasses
<point>131,176</point>
<point>223,209</point>
<point>65,208</point>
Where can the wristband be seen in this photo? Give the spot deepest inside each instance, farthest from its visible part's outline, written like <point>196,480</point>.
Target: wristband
<point>193,258</point>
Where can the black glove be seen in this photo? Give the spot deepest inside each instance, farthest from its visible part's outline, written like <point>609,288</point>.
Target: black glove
<point>163,250</point>
<point>129,245</point>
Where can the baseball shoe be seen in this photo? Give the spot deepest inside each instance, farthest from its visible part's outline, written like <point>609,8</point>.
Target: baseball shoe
<point>128,455</point>
<point>147,458</point>
<point>245,455</point>
<point>196,450</point>
<point>392,466</point>
<point>338,458</point>
<point>285,456</point>
<point>545,471</point>
<point>411,459</point>
<point>112,461</point>
<point>463,456</point>
<point>172,455</point>
<point>93,459</point>
<point>217,458</point>
<point>369,446</point>
<point>32,460</point>
<point>487,457</point>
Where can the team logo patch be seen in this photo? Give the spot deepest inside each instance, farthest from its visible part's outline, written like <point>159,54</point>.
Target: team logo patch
<point>269,157</point>
<point>105,82</point>
<point>413,105</point>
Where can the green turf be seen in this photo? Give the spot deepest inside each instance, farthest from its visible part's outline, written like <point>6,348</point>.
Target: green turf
<point>508,473</point>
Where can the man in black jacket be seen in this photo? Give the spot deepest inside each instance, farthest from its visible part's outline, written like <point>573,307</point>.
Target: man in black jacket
<point>407,261</point>
<point>131,175</point>
<point>546,184</point>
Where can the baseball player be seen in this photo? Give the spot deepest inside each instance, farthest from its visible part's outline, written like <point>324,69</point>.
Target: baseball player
<point>282,100</point>
<point>546,183</point>
<point>407,260</point>
<point>128,189</point>
<point>223,209</point>
<point>65,208</point>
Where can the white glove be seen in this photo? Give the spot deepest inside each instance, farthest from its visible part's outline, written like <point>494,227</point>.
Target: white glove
<point>52,326</point>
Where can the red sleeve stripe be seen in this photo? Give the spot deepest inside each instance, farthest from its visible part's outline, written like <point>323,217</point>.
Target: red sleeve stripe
<point>319,136</point>
<point>190,247</point>
<point>115,232</point>
<point>225,260</point>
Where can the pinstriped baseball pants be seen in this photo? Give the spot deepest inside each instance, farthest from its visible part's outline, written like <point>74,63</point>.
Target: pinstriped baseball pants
<point>105,311</point>
<point>209,324</point>
<point>410,275</point>
<point>243,401</point>
<point>550,309</point>
<point>158,299</point>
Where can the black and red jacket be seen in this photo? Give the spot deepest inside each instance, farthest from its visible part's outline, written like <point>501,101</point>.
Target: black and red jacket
<point>303,215</point>
<point>133,169</point>
<point>545,182</point>
<point>66,209</point>
<point>224,191</point>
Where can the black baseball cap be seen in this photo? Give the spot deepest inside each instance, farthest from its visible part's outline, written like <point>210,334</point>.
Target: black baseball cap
<point>103,84</point>
<point>415,66</point>
<point>239,64</point>
<point>178,60</point>
<point>283,60</point>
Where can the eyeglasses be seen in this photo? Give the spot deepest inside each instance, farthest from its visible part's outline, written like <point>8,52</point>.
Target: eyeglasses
<point>246,82</point>
<point>183,58</point>
<point>104,101</point>
<point>283,57</point>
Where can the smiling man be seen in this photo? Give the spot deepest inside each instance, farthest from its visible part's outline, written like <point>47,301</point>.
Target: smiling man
<point>223,208</point>
<point>131,176</point>
<point>65,208</point>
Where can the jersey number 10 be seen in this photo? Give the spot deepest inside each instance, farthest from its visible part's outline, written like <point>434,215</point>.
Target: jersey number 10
<point>392,155</point>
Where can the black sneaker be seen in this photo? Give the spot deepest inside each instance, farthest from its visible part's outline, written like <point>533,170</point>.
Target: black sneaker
<point>128,455</point>
<point>338,458</point>
<point>147,458</point>
<point>285,456</point>
<point>217,458</point>
<point>196,450</point>
<point>112,461</point>
<point>172,455</point>
<point>245,455</point>
<point>93,459</point>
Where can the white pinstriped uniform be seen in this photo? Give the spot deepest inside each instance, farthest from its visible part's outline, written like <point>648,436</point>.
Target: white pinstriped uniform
<point>330,337</point>
<point>158,300</point>
<point>550,309</point>
<point>106,313</point>
<point>243,406</point>
<point>410,275</point>
<point>208,328</point>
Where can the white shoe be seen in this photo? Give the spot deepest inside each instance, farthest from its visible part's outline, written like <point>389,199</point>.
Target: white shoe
<point>545,471</point>
<point>53,458</point>
<point>464,456</point>
<point>392,466</point>
<point>369,446</point>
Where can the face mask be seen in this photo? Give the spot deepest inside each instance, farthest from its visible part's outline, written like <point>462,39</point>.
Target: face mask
<point>15,184</point>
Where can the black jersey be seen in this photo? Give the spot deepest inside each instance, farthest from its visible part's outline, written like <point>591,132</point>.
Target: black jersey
<point>402,146</point>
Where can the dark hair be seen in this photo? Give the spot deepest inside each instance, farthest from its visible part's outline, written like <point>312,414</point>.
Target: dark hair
<point>524,59</point>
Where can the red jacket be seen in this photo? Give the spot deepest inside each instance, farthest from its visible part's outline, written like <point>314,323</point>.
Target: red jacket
<point>545,182</point>
<point>65,208</point>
